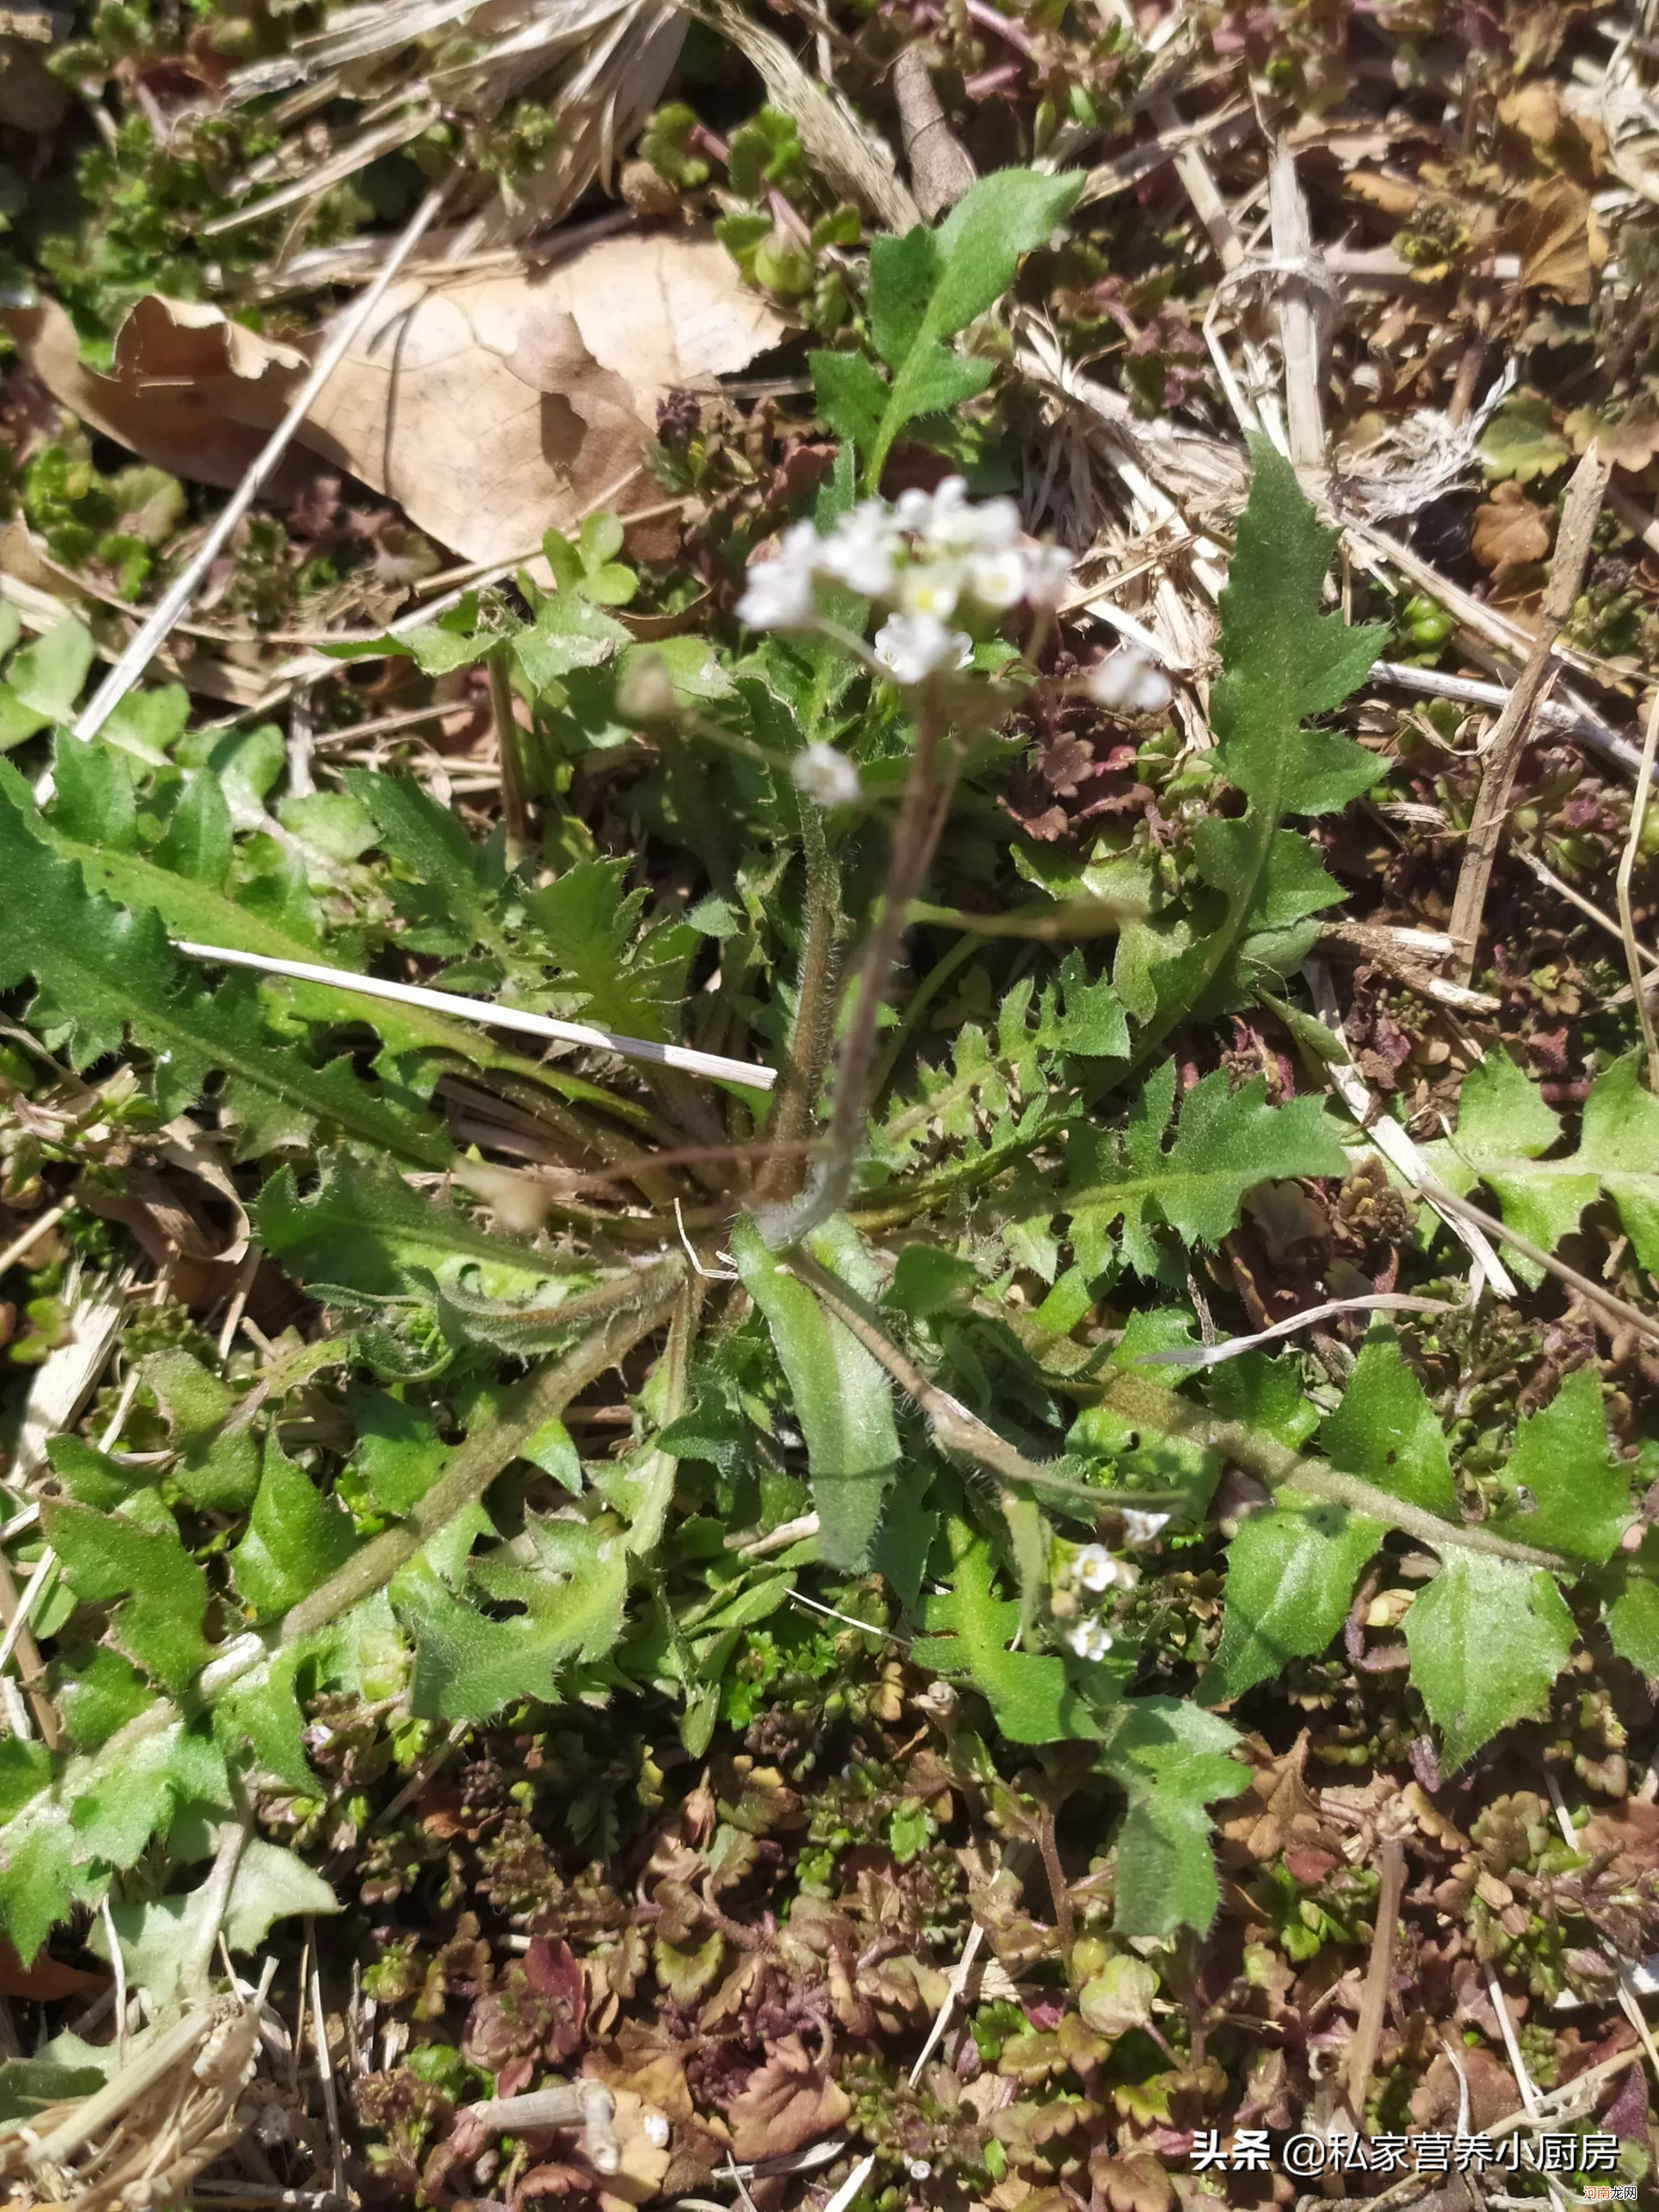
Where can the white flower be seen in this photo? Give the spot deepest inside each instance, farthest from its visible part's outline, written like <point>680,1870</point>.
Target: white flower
<point>778,593</point>
<point>931,588</point>
<point>914,510</point>
<point>858,552</point>
<point>911,646</point>
<point>953,527</point>
<point>1089,1640</point>
<point>827,777</point>
<point>1141,1528</point>
<point>1127,682</point>
<point>1048,572</point>
<point>1095,1567</point>
<point>997,579</point>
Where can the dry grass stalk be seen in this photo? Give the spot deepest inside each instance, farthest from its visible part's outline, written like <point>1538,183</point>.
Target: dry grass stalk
<point>1515,725</point>
<point>145,2135</point>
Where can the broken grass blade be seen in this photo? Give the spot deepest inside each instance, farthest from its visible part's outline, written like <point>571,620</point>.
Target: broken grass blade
<point>488,1013</point>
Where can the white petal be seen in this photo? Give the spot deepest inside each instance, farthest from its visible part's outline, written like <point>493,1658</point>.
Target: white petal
<point>825,776</point>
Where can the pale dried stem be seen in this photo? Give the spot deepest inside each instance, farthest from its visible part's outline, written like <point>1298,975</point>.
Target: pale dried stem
<point>1627,859</point>
<point>1515,724</point>
<point>1368,2033</point>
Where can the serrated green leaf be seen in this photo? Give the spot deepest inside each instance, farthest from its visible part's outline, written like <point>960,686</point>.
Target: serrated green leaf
<point>399,1453</point>
<point>842,1396</point>
<point>571,1580</point>
<point>1521,441</point>
<point>265,1710</point>
<point>1487,1638</point>
<point>1030,1694</point>
<point>296,1538</point>
<point>1577,1496</point>
<point>451,878</point>
<point>102,972</point>
<point>1385,1430</point>
<point>924,288</point>
<point>1284,660</point>
<point>630,981</point>
<point>1502,1126</point>
<point>364,1229</point>
<point>1291,1574</point>
<point>1225,1143</point>
<point>107,1556</point>
<point>115,1816</point>
<point>1171,1757</point>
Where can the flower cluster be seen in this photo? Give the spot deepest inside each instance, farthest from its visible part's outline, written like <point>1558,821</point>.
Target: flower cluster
<point>1094,1570</point>
<point>932,559</point>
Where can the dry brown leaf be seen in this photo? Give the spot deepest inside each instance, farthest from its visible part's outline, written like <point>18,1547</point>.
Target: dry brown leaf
<point>1509,529</point>
<point>1629,438</point>
<point>522,398</point>
<point>490,408</point>
<point>45,1978</point>
<point>1561,241</point>
<point>1397,196</point>
<point>194,393</point>
<point>789,2102</point>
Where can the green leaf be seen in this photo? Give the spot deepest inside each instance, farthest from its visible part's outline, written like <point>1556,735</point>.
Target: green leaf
<point>364,1229</point>
<point>570,1578</point>
<point>97,1693</point>
<point>1284,660</point>
<point>159,1940</point>
<point>841,1395</point>
<point>1385,1430</point>
<point>450,876</point>
<point>1291,1574</point>
<point>215,1470</point>
<point>1030,1694</point>
<point>1630,1603</point>
<point>399,1453</point>
<point>1521,441</point>
<point>1579,1497</point>
<point>926,286</point>
<point>630,981</point>
<point>43,680</point>
<point>1225,1143</point>
<point>296,1538</point>
<point>102,972</point>
<point>107,1556</point>
<point>1171,1759</point>
<point>1503,1126</point>
<point>1487,1638</point>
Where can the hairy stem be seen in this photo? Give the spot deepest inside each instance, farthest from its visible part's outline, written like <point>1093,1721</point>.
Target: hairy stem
<point>1150,1405</point>
<point>540,1399</point>
<point>516,812</point>
<point>815,1012</point>
<point>922,818</point>
<point>954,1427</point>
